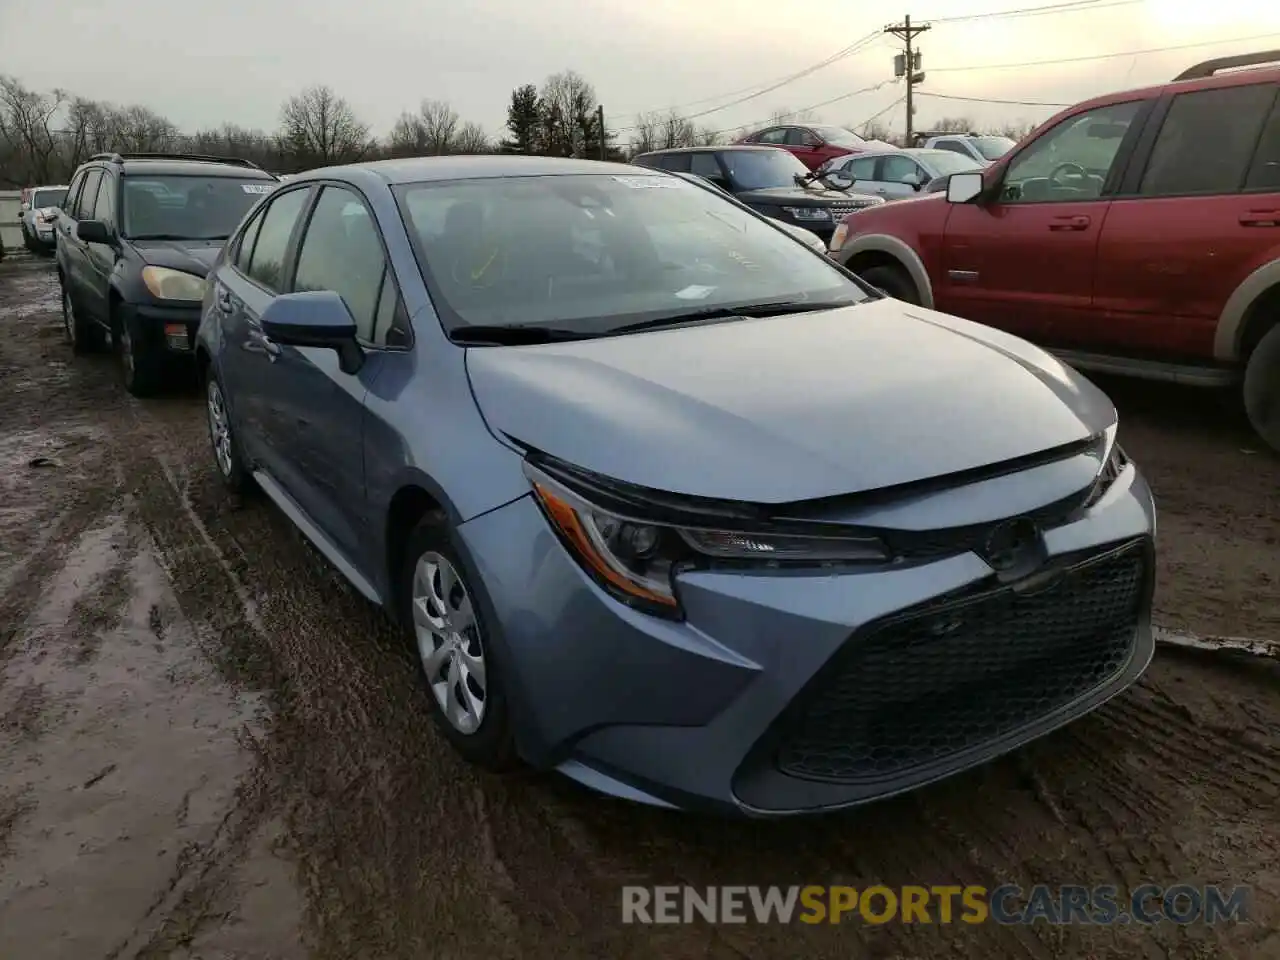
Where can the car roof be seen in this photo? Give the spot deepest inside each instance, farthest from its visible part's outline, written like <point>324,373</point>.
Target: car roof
<point>736,147</point>
<point>462,167</point>
<point>165,167</point>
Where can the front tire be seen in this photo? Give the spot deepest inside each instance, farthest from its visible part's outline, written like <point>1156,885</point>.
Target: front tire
<point>1262,388</point>
<point>141,363</point>
<point>894,281</point>
<point>83,335</point>
<point>441,612</point>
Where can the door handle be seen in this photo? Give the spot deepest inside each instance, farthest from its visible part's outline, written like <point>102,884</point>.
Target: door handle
<point>271,349</point>
<point>1069,223</point>
<point>1260,218</point>
<point>223,299</point>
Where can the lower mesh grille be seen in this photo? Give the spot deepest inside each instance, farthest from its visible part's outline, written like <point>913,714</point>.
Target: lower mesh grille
<point>955,677</point>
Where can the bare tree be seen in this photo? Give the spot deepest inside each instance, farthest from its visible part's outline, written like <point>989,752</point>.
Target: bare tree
<point>320,128</point>
<point>27,128</point>
<point>569,103</point>
<point>785,115</point>
<point>138,129</point>
<point>439,125</point>
<point>471,138</point>
<point>707,137</point>
<point>875,130</point>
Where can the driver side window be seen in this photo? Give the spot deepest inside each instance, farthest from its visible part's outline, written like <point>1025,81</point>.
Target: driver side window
<point>898,169</point>
<point>1073,160</point>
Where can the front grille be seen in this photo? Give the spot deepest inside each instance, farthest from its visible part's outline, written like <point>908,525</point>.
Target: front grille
<point>841,210</point>
<point>953,677</point>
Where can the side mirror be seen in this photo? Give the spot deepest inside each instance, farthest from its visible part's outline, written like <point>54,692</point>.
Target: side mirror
<point>93,231</point>
<point>838,180</point>
<point>964,187</point>
<point>315,318</point>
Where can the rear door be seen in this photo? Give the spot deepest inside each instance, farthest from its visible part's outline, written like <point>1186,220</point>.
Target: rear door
<point>314,409</point>
<point>100,258</point>
<point>244,289</point>
<point>1024,260</point>
<point>65,224</point>
<point>1199,212</point>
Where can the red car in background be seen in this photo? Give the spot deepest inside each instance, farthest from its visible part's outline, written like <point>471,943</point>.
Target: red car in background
<point>1137,233</point>
<point>813,144</point>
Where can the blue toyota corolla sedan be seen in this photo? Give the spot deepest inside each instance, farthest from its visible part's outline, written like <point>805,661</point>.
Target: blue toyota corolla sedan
<point>664,499</point>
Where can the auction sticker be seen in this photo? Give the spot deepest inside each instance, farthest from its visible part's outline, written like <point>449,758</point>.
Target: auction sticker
<point>651,183</point>
<point>256,188</point>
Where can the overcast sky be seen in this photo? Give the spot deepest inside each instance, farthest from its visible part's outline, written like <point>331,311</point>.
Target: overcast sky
<point>237,60</point>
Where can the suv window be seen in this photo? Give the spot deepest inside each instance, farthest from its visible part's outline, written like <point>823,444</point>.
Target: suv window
<point>88,196</point>
<point>105,208</point>
<point>705,165</point>
<point>1207,141</point>
<point>341,251</point>
<point>267,263</point>
<point>73,193</point>
<point>1264,173</point>
<point>1072,160</point>
<point>675,161</point>
<point>777,135</point>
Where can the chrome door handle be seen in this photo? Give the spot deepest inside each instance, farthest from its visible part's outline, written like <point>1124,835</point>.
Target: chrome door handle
<point>223,299</point>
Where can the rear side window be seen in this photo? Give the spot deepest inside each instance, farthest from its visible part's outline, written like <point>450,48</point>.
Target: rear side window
<point>1264,172</point>
<point>89,195</point>
<point>1207,141</point>
<point>268,261</point>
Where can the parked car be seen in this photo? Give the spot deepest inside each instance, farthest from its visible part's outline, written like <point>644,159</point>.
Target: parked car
<point>137,234</point>
<point>805,236</point>
<point>986,150</point>
<point>1115,236</point>
<point>768,180</point>
<point>812,144</point>
<point>724,530</point>
<point>39,214</point>
<point>894,173</point>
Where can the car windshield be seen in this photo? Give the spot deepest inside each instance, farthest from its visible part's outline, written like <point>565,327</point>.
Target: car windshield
<point>48,198</point>
<point>188,208</point>
<point>596,252</point>
<point>993,148</point>
<point>839,136</point>
<point>944,162</point>
<point>762,169</point>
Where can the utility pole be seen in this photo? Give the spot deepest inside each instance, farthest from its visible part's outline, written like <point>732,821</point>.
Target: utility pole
<point>908,64</point>
<point>604,147</point>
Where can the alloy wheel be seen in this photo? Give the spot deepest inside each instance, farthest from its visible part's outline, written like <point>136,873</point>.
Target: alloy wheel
<point>449,642</point>
<point>219,427</point>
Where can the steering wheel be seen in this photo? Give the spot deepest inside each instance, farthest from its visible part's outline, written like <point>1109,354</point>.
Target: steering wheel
<point>1069,167</point>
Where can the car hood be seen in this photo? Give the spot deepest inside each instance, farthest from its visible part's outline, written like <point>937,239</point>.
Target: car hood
<point>813,197</point>
<point>791,408</point>
<point>192,256</point>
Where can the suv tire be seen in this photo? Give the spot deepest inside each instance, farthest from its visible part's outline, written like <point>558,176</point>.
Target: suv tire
<point>85,336</point>
<point>1262,388</point>
<point>141,365</point>
<point>446,634</point>
<point>894,281</point>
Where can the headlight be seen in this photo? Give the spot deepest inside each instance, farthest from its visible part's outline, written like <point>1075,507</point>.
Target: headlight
<point>1113,464</point>
<point>808,213</point>
<point>636,559</point>
<point>166,284</point>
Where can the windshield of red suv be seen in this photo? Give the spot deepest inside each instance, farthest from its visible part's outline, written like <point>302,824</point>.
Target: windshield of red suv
<point>839,136</point>
<point>762,169</point>
<point>187,207</point>
<point>993,148</point>
<point>600,251</point>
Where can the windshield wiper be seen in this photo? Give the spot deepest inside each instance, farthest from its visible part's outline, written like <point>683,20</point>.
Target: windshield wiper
<point>771,308</point>
<point>510,334</point>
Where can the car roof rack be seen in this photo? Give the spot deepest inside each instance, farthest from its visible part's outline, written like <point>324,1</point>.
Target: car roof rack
<point>1210,67</point>
<point>201,157</point>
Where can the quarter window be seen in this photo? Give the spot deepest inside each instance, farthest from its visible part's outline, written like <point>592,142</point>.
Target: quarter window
<point>267,265</point>
<point>1207,141</point>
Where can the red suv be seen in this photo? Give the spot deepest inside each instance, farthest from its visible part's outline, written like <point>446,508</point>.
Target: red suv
<point>814,145</point>
<point>1136,233</point>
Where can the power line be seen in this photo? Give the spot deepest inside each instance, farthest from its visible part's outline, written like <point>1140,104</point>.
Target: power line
<point>755,90</point>
<point>1106,56</point>
<point>1014,103</point>
<point>814,106</point>
<point>1075,6</point>
<point>880,113</point>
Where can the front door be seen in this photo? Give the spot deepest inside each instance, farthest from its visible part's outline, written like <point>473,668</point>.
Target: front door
<point>1024,260</point>
<point>79,273</point>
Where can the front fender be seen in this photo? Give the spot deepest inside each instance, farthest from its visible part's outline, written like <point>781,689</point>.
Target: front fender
<point>900,251</point>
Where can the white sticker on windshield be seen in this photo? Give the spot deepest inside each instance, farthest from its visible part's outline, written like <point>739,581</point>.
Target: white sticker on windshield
<point>695,292</point>
<point>651,183</point>
<point>258,188</point>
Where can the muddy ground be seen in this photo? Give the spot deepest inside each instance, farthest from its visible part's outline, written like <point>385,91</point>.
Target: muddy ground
<point>211,747</point>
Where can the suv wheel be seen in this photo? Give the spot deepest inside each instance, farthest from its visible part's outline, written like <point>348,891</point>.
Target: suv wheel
<point>1262,388</point>
<point>894,281</point>
<point>140,363</point>
<point>84,336</point>
<point>464,682</point>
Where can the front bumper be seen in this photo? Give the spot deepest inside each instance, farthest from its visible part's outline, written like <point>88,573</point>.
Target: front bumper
<point>759,703</point>
<point>171,329</point>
